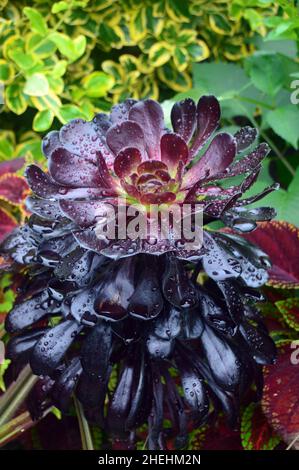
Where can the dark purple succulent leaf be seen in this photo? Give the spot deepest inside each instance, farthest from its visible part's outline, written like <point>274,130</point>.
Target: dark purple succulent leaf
<point>43,186</point>
<point>65,384</point>
<point>244,220</point>
<point>50,142</point>
<point>69,169</point>
<point>218,207</point>
<point>173,150</point>
<point>79,267</point>
<point>92,394</point>
<point>43,207</point>
<point>82,138</point>
<point>21,245</point>
<point>29,312</point>
<point>128,394</point>
<point>21,345</point>
<point>155,419</point>
<point>192,325</point>
<point>86,213</point>
<point>51,348</point>
<point>115,290</point>
<point>88,240</point>
<point>261,346</point>
<point>195,392</point>
<point>102,122</point>
<point>233,300</point>
<point>250,162</point>
<point>147,301</point>
<point>156,198</point>
<point>130,189</point>
<point>258,196</point>
<point>159,348</point>
<point>59,245</point>
<point>208,117</point>
<point>176,411</point>
<point>245,137</point>
<point>138,411</point>
<point>151,166</point>
<point>217,263</point>
<point>222,359</point>
<point>149,115</point>
<point>120,112</point>
<point>96,350</point>
<point>217,317</point>
<point>168,325</point>
<point>127,161</point>
<point>128,330</point>
<point>183,118</point>
<point>57,289</point>
<point>81,307</point>
<point>107,181</point>
<point>124,135</point>
<point>253,261</point>
<point>178,289</point>
<point>38,398</point>
<point>216,159</point>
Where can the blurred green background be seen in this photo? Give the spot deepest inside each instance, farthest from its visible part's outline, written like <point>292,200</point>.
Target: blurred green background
<point>74,58</point>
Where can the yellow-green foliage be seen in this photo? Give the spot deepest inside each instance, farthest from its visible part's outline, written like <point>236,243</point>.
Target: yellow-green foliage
<point>74,58</point>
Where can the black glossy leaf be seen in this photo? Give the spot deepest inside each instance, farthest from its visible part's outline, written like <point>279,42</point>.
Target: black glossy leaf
<point>51,348</point>
<point>177,287</point>
<point>223,361</point>
<point>64,386</point>
<point>147,301</point>
<point>261,345</point>
<point>20,346</point>
<point>29,312</point>
<point>115,290</point>
<point>192,324</point>
<point>95,352</point>
<point>245,137</point>
<point>168,325</point>
<point>183,118</point>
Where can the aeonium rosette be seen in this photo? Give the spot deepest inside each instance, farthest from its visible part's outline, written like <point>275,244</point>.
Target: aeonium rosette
<point>149,307</point>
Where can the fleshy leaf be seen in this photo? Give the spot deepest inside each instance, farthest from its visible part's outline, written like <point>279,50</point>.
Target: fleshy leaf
<point>280,400</point>
<point>256,432</point>
<point>284,255</point>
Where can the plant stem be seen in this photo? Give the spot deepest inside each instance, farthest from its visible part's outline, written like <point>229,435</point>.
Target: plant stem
<point>16,394</point>
<point>270,142</point>
<point>17,426</point>
<point>278,153</point>
<point>83,426</point>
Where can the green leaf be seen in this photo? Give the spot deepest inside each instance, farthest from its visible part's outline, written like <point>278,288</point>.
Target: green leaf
<point>3,368</point>
<point>70,111</point>
<point>36,85</point>
<point>284,122</point>
<point>59,69</point>
<point>6,71</point>
<point>43,120</point>
<point>6,152</point>
<point>24,61</point>
<point>56,412</point>
<point>71,48</point>
<point>97,84</point>
<point>256,432</point>
<point>15,99</point>
<point>57,7</point>
<point>159,54</point>
<point>266,72</point>
<point>290,311</point>
<point>38,24</point>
